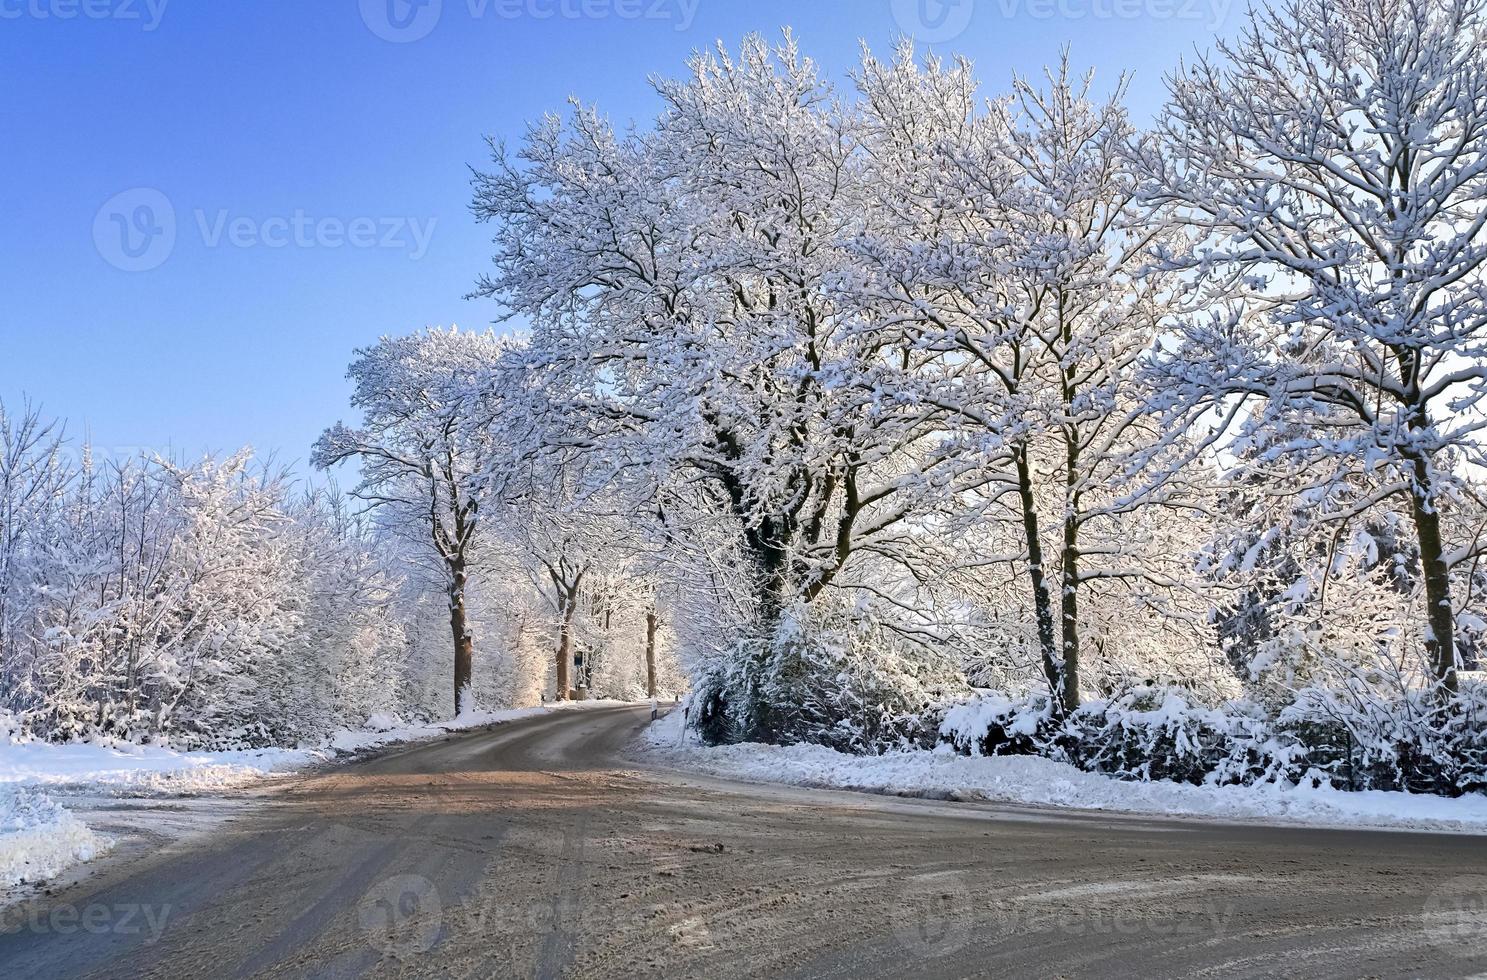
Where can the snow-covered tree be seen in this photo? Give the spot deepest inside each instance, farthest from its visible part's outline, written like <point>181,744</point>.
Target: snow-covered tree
<point>424,466</point>
<point>198,602</point>
<point>34,478</point>
<point>1335,155</point>
<point>680,284</point>
<point>1012,246</point>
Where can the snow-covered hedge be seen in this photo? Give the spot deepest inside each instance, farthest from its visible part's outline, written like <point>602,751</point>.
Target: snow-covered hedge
<point>1323,737</point>
<point>994,724</point>
<point>849,687</point>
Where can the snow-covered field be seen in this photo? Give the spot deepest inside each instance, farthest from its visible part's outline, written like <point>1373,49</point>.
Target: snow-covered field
<point>40,838</point>
<point>1043,782</point>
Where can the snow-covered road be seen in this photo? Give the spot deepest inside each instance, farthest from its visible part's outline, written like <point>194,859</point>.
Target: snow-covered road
<point>538,848</point>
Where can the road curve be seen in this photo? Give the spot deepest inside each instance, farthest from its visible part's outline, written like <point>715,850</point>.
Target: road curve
<point>537,848</point>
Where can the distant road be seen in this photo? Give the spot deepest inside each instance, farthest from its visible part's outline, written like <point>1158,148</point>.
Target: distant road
<point>536,849</point>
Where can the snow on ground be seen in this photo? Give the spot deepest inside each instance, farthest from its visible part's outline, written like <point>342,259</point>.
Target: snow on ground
<point>141,769</point>
<point>386,729</point>
<point>40,838</point>
<point>145,769</point>
<point>1043,782</point>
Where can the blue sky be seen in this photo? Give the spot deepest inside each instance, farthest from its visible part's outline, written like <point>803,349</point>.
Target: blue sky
<point>315,155</point>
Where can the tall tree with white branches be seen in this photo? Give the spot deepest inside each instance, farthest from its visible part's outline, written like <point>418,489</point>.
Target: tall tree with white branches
<point>1335,156</point>
<point>1012,246</point>
<point>425,468</point>
<point>680,283</point>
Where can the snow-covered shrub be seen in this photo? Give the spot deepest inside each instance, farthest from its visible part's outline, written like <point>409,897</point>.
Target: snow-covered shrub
<point>1344,742</point>
<point>993,724</point>
<point>1463,740</point>
<point>1356,739</point>
<point>1344,738</point>
<point>1146,733</point>
<point>206,604</point>
<point>855,688</point>
<point>1256,752</point>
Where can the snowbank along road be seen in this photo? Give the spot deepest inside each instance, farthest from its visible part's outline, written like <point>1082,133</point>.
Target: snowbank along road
<point>538,849</point>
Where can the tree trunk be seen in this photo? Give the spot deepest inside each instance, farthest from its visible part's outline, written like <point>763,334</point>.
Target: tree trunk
<point>650,653</point>
<point>770,561</point>
<point>1069,606</point>
<point>1042,603</point>
<point>1069,572</point>
<point>464,640</point>
<point>1440,634</point>
<point>565,643</point>
<point>765,542</point>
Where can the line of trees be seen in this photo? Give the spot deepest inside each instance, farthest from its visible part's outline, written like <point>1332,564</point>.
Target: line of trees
<point>1018,385</point>
<point>218,603</point>
<point>207,602</point>
<point>853,399</point>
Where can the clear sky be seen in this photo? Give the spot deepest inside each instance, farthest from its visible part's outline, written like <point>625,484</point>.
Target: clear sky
<point>311,159</point>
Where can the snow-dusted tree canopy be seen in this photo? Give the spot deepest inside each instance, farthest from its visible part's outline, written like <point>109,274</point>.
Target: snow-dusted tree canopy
<point>216,604</point>
<point>208,603</point>
<point>1332,159</point>
<point>923,386</point>
<point>846,401</point>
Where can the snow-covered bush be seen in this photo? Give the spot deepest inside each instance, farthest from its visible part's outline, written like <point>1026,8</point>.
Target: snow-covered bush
<point>209,604</point>
<point>1335,737</point>
<point>853,687</point>
<point>994,724</point>
<point>1255,751</point>
<point>1463,738</point>
<point>1148,733</point>
<point>1356,739</point>
<point>1145,732</point>
<point>205,604</point>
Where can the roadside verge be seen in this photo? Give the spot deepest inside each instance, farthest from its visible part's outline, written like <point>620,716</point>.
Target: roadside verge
<point>1033,781</point>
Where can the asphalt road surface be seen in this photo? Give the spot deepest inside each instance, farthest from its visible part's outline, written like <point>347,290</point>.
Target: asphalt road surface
<point>537,848</point>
